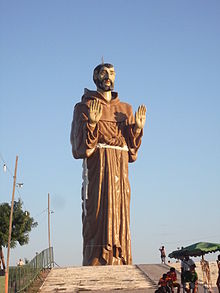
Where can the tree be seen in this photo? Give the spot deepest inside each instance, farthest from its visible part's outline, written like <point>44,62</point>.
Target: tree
<point>22,224</point>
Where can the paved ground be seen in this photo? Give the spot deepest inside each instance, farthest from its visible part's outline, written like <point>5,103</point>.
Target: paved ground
<point>126,279</point>
<point>153,271</point>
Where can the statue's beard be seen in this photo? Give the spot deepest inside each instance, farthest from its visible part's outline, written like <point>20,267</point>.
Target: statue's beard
<point>106,88</point>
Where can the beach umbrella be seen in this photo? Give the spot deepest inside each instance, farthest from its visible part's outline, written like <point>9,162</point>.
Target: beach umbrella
<point>197,249</point>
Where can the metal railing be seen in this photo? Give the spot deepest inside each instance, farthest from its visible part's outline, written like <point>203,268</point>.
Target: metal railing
<point>21,277</point>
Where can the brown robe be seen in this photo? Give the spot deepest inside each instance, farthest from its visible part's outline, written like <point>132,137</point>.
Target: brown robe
<point>106,150</point>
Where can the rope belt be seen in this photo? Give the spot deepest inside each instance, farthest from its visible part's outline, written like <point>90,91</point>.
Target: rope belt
<point>106,146</point>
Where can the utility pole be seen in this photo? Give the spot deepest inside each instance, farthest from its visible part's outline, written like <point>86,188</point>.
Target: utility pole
<point>49,228</point>
<point>10,226</point>
<point>49,220</point>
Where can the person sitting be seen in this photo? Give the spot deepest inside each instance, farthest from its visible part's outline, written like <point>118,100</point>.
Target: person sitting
<point>173,280</point>
<point>164,283</point>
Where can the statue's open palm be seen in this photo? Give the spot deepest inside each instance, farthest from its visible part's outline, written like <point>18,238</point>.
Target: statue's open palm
<point>140,117</point>
<point>95,111</point>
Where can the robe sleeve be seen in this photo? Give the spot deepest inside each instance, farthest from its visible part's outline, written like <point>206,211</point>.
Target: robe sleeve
<point>83,136</point>
<point>133,139</point>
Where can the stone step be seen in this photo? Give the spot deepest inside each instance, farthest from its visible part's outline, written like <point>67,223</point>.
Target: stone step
<point>126,279</point>
<point>97,279</point>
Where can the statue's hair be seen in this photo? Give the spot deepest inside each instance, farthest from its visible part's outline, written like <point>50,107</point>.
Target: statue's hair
<point>97,69</point>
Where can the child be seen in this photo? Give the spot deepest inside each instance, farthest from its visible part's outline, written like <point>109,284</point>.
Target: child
<point>194,279</point>
<point>164,284</point>
<point>173,280</point>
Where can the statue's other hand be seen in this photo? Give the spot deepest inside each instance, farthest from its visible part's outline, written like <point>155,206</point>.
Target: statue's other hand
<point>140,117</point>
<point>95,112</point>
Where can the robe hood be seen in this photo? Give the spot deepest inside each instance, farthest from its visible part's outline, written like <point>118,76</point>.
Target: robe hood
<point>113,110</point>
<point>88,95</point>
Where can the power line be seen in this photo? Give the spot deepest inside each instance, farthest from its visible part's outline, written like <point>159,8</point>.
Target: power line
<point>37,215</point>
<point>19,185</point>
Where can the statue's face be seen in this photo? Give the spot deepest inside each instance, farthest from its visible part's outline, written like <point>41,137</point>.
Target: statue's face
<point>106,79</point>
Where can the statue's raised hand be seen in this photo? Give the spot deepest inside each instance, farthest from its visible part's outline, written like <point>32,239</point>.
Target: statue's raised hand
<point>140,118</point>
<point>95,112</point>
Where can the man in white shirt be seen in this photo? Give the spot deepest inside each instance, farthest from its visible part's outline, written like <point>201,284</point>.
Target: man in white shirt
<point>20,262</point>
<point>186,263</point>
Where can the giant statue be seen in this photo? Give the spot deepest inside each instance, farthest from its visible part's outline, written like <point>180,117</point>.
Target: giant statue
<point>107,136</point>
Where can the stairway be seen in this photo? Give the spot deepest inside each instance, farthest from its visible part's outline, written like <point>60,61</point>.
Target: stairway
<point>98,279</point>
<point>141,278</point>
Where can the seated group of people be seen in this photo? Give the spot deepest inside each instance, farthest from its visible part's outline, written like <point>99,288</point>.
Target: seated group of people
<point>168,282</point>
<point>189,278</point>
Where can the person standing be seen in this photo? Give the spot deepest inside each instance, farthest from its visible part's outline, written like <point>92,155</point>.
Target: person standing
<point>186,271</point>
<point>107,136</point>
<point>193,285</point>
<point>162,254</point>
<point>20,262</point>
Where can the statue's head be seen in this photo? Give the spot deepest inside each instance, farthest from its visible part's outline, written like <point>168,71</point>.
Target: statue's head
<point>104,77</point>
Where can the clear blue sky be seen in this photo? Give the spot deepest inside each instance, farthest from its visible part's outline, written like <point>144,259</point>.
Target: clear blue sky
<point>166,56</point>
